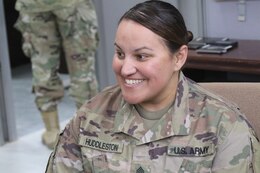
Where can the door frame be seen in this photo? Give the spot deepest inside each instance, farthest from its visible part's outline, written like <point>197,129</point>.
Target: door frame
<point>8,131</point>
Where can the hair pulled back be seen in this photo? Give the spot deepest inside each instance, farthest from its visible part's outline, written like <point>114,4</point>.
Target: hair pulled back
<point>163,19</point>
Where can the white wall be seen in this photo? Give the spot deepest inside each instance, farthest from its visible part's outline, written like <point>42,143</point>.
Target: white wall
<point>221,19</point>
<point>192,12</point>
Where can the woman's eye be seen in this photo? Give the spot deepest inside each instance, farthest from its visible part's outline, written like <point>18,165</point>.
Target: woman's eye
<point>141,57</point>
<point>120,55</point>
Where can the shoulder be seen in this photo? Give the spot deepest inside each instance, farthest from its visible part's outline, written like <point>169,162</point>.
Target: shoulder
<point>209,101</point>
<point>216,112</point>
<point>109,98</point>
<point>100,108</point>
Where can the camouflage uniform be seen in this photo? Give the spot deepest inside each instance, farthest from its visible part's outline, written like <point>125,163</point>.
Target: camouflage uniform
<point>200,133</point>
<point>50,27</point>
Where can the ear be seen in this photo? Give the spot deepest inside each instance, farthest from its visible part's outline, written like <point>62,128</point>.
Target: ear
<point>180,57</point>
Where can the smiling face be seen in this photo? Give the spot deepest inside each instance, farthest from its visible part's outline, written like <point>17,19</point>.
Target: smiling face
<point>145,69</point>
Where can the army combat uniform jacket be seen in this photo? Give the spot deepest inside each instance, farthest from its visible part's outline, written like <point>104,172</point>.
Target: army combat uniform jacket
<point>199,133</point>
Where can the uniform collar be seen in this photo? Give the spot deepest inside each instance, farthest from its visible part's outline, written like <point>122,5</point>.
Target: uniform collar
<point>175,122</point>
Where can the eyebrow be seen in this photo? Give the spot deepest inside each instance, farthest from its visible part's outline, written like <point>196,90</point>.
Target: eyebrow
<point>117,46</point>
<point>136,50</point>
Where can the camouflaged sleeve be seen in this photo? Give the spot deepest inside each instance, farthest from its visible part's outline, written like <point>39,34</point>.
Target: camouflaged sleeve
<point>66,157</point>
<point>256,154</point>
<point>238,152</point>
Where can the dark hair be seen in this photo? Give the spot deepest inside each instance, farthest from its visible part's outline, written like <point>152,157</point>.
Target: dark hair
<point>163,19</point>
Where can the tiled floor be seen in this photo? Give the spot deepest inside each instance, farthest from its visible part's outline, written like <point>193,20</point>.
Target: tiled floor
<point>27,154</point>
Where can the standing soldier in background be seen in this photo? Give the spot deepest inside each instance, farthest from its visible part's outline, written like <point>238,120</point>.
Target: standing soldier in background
<point>49,27</point>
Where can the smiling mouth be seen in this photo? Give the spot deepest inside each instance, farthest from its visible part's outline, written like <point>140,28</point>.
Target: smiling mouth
<point>133,82</point>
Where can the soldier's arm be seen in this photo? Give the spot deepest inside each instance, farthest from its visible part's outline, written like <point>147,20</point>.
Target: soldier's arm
<point>239,152</point>
<point>66,157</point>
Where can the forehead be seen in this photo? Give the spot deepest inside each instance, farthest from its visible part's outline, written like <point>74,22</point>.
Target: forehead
<point>133,33</point>
<point>129,27</point>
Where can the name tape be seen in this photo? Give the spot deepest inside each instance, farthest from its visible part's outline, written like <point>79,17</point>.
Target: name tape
<point>102,145</point>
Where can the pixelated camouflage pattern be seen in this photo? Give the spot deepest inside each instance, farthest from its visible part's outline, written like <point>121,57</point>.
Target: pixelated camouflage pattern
<point>72,30</point>
<point>198,121</point>
<point>44,5</point>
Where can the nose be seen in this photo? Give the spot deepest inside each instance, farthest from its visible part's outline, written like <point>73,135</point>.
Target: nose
<point>128,67</point>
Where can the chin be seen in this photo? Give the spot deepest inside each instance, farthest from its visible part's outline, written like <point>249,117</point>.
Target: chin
<point>130,99</point>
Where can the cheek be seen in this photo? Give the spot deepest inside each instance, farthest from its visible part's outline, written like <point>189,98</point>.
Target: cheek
<point>160,69</point>
<point>116,65</point>
<point>161,73</point>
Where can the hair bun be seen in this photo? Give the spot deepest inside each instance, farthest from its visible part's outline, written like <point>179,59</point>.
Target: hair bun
<point>190,36</point>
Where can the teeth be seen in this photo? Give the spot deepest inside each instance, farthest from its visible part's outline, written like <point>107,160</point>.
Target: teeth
<point>131,82</point>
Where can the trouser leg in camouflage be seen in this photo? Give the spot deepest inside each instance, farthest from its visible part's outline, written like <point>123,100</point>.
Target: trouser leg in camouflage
<point>73,30</point>
<point>42,44</point>
<point>78,28</point>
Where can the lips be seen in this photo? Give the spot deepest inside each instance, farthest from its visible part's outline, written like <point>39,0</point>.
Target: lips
<point>133,82</point>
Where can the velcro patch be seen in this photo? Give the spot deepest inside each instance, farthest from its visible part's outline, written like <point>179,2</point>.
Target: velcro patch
<point>191,151</point>
<point>101,144</point>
